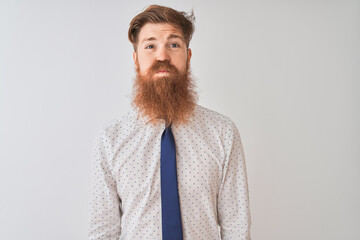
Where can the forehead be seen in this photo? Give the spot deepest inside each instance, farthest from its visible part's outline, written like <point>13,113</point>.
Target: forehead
<point>158,30</point>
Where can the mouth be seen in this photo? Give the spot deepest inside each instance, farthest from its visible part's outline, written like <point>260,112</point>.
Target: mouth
<point>162,71</point>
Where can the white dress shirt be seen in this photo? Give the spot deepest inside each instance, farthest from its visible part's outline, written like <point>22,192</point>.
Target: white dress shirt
<point>125,192</point>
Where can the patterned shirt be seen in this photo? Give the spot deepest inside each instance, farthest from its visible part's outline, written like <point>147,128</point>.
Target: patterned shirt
<point>125,197</point>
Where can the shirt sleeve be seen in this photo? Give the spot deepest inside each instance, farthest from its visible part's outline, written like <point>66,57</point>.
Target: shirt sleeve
<point>233,198</point>
<point>104,202</point>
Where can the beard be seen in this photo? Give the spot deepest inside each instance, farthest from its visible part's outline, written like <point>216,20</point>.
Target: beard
<point>171,98</point>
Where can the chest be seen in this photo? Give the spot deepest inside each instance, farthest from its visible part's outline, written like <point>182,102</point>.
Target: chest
<point>137,164</point>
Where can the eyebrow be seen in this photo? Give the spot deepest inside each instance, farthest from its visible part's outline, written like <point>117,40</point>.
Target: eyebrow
<point>169,37</point>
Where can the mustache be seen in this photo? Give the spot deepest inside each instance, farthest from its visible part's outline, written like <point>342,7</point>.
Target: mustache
<point>163,65</point>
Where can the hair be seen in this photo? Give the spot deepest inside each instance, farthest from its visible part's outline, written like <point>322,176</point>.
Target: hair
<point>161,14</point>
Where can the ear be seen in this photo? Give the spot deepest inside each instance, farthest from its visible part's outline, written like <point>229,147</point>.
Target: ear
<point>134,56</point>
<point>189,55</point>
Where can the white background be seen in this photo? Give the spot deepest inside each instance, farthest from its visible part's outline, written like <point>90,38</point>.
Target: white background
<point>287,73</point>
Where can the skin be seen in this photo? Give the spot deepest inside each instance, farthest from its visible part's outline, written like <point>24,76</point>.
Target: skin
<point>159,42</point>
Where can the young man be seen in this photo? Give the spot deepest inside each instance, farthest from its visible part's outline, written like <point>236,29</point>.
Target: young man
<point>169,169</point>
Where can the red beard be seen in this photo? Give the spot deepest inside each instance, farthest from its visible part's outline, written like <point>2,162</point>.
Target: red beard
<point>171,98</point>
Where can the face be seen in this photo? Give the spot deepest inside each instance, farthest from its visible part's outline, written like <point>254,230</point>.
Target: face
<point>160,42</point>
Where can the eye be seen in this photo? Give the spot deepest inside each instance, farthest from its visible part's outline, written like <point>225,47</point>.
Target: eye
<point>174,45</point>
<point>149,46</point>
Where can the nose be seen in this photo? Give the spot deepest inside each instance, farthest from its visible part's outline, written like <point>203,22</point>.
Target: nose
<point>162,54</point>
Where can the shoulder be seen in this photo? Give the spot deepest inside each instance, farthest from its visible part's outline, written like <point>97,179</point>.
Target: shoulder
<point>208,116</point>
<point>214,127</point>
<point>214,124</point>
<point>119,126</point>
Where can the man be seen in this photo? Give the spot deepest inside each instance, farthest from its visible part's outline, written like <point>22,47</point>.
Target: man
<point>169,169</point>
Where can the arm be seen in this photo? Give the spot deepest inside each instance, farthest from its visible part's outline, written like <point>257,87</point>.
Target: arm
<point>233,198</point>
<point>104,202</point>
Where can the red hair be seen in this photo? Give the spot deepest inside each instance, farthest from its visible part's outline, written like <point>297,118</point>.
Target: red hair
<point>161,14</point>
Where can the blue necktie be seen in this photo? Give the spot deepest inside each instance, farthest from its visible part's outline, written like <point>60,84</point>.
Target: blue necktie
<point>170,207</point>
